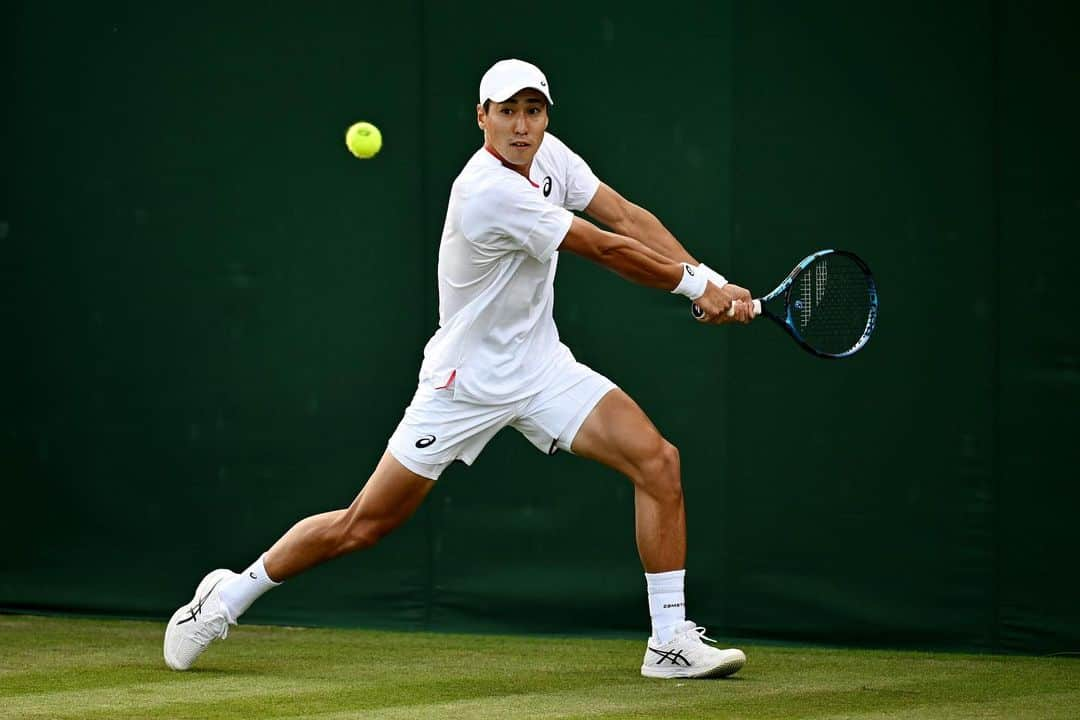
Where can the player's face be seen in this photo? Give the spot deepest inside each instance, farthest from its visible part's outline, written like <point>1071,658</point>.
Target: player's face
<point>515,128</point>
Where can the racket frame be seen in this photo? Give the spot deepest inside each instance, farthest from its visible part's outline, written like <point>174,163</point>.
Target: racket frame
<point>788,321</point>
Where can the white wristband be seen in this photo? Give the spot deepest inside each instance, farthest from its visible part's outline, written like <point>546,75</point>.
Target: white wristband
<point>714,277</point>
<point>693,283</point>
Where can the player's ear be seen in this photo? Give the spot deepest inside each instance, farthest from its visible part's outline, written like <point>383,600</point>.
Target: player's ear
<point>480,116</point>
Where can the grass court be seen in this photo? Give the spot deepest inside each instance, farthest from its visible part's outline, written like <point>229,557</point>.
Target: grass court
<point>74,668</point>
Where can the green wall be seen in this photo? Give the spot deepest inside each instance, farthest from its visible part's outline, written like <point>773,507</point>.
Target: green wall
<point>871,129</point>
<point>1038,351</point>
<point>216,314</point>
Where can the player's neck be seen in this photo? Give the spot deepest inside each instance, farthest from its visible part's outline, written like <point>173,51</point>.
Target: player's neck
<point>519,169</point>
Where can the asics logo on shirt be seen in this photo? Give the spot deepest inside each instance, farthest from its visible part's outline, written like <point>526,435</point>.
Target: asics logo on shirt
<point>425,441</point>
<point>547,186</point>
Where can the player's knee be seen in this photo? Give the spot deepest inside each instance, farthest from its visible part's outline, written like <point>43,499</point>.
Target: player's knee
<point>662,472</point>
<point>361,534</point>
<point>672,470</point>
<point>663,460</point>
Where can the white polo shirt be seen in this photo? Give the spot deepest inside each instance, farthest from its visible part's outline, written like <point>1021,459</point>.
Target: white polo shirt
<point>497,341</point>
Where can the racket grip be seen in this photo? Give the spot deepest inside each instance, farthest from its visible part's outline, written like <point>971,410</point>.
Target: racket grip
<point>757,308</point>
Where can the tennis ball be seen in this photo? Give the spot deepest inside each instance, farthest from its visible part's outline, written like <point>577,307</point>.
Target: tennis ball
<point>363,140</point>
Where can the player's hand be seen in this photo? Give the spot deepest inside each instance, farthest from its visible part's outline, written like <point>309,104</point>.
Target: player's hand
<point>713,306</point>
<point>743,303</point>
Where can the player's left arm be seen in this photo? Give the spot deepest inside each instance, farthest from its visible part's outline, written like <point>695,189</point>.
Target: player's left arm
<point>625,218</point>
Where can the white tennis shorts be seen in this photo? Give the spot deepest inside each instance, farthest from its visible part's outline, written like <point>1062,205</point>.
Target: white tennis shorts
<point>437,430</point>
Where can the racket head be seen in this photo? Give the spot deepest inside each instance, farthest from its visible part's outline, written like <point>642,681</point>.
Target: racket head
<point>830,303</point>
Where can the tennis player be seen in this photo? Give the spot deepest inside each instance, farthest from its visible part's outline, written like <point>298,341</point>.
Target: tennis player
<point>496,361</point>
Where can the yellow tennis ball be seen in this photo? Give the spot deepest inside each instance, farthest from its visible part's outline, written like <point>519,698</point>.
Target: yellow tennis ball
<point>363,140</point>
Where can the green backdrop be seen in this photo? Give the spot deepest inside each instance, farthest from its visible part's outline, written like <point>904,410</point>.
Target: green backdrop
<point>216,315</point>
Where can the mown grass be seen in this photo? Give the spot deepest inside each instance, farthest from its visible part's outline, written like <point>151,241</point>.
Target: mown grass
<point>68,668</point>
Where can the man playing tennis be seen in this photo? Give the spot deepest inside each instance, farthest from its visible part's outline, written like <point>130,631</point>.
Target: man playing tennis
<point>496,360</point>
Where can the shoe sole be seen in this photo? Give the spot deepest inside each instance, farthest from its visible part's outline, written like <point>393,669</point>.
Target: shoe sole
<point>728,666</point>
<point>205,586</point>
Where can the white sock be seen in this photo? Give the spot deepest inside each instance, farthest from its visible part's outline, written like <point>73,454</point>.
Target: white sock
<point>239,592</point>
<point>667,603</point>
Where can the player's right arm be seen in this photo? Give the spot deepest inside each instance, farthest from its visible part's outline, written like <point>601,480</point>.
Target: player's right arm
<point>638,263</point>
<point>624,217</point>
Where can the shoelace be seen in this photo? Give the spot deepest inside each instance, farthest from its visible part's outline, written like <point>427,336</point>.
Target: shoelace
<point>700,632</point>
<point>204,638</point>
<point>212,628</point>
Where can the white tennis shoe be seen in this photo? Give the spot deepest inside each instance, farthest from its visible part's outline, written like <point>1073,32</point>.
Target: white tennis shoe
<point>195,625</point>
<point>686,656</point>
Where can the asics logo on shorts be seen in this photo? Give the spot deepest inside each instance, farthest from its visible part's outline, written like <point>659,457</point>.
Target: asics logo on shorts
<point>425,441</point>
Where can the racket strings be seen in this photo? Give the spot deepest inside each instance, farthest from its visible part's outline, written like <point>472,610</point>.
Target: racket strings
<point>832,310</point>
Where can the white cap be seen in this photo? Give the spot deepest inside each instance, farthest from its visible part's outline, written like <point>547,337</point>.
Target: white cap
<point>506,77</point>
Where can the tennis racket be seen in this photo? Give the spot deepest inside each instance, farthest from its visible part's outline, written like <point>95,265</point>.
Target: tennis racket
<point>828,304</point>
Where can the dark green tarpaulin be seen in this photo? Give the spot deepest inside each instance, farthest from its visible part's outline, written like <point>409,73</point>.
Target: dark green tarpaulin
<point>215,315</point>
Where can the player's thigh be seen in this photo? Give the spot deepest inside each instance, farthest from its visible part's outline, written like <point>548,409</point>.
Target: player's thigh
<point>390,496</point>
<point>620,435</point>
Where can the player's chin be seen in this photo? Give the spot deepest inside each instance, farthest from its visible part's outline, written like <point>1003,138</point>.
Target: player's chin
<point>520,154</point>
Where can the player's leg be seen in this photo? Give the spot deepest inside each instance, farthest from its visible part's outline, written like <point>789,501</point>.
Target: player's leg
<point>434,432</point>
<point>389,498</point>
<point>620,435</point>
